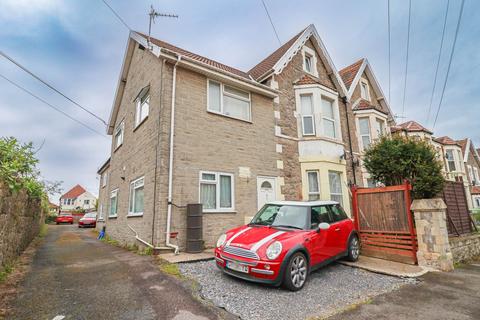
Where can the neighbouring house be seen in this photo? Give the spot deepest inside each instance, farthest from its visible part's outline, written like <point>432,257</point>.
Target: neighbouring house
<point>372,114</point>
<point>186,129</point>
<point>77,198</point>
<point>471,160</point>
<point>53,209</point>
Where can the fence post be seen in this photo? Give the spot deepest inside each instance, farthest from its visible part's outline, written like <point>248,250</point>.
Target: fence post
<point>411,225</point>
<point>355,206</point>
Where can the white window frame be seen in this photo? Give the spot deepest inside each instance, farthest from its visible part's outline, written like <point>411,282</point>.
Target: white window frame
<point>311,116</point>
<point>131,198</point>
<point>308,52</point>
<point>364,82</point>
<point>100,212</point>
<point>451,160</point>
<point>476,175</point>
<point>365,135</point>
<point>470,174</point>
<point>216,182</point>
<point>377,122</point>
<point>119,130</point>
<point>224,93</point>
<point>325,118</point>
<point>144,95</point>
<point>113,194</point>
<point>104,179</point>
<point>341,186</point>
<point>311,193</point>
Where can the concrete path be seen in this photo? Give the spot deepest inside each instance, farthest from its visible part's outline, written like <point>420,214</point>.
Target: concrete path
<point>75,276</point>
<point>440,296</point>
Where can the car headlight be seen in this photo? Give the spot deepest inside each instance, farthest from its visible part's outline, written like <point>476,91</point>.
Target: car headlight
<point>221,240</point>
<point>274,250</point>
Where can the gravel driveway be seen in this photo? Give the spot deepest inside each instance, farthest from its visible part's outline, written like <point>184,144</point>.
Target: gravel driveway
<point>331,288</point>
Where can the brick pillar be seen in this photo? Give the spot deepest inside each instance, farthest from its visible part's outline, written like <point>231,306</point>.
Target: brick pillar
<point>432,234</point>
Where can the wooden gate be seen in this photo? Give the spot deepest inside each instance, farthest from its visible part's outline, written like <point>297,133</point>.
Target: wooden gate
<point>459,220</point>
<point>385,223</point>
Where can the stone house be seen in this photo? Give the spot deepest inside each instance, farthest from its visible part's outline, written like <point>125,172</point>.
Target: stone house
<point>471,160</point>
<point>372,114</point>
<point>77,198</point>
<point>187,129</point>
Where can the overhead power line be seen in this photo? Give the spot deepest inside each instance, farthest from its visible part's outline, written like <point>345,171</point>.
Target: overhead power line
<point>389,54</point>
<point>406,58</point>
<point>449,62</point>
<point>117,15</point>
<point>51,87</point>
<point>271,22</point>
<point>51,106</point>
<point>438,62</point>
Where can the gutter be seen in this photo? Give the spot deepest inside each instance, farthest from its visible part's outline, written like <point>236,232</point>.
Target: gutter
<point>170,161</point>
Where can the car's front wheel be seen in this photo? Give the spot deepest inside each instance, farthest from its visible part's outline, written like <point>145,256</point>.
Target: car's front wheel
<point>296,273</point>
<point>353,249</point>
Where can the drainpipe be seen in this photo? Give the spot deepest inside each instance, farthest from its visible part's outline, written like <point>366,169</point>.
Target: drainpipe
<point>170,164</point>
<point>345,101</point>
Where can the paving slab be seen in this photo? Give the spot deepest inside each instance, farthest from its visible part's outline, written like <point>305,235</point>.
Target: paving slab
<point>184,257</point>
<point>387,267</point>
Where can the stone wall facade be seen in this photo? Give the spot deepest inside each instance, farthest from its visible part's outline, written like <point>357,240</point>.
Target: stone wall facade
<point>20,221</point>
<point>465,248</point>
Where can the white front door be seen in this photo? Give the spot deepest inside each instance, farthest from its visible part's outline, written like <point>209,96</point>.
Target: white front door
<point>265,190</point>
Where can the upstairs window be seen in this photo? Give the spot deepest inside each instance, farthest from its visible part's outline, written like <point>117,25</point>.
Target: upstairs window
<point>328,118</point>
<point>104,179</point>
<point>142,105</point>
<point>450,160</point>
<point>313,188</point>
<point>86,202</point>
<point>470,173</point>
<point>364,90</point>
<point>476,176</point>
<point>119,134</point>
<point>308,63</point>
<point>364,124</point>
<point>216,191</point>
<point>228,101</point>
<point>308,123</point>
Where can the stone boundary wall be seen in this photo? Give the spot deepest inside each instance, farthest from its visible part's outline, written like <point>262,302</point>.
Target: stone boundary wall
<point>20,221</point>
<point>465,248</point>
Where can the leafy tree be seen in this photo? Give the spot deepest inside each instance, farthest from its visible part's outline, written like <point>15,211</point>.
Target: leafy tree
<point>391,160</point>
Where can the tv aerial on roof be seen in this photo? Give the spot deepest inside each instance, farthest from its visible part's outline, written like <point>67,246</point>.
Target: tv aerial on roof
<point>154,14</point>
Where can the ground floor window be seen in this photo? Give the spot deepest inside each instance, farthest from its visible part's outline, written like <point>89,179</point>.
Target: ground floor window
<point>113,203</point>
<point>216,191</point>
<point>313,185</point>
<point>136,197</point>
<point>100,212</point>
<point>335,182</point>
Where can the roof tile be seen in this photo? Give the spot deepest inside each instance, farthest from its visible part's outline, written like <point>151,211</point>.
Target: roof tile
<point>348,73</point>
<point>446,140</point>
<point>366,105</point>
<point>74,192</point>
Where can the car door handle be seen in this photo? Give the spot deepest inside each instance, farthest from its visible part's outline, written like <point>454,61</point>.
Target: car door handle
<point>337,229</point>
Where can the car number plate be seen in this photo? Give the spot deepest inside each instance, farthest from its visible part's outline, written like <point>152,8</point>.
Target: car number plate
<point>237,266</point>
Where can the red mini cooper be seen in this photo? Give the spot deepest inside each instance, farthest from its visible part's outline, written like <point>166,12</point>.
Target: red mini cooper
<point>286,240</point>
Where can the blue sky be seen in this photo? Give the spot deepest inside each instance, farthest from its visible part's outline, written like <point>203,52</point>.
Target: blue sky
<point>78,46</point>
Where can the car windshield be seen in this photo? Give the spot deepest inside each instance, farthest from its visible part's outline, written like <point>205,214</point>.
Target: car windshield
<point>65,214</point>
<point>90,215</point>
<point>282,216</point>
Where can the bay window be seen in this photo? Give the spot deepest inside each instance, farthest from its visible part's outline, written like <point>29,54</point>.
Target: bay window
<point>313,188</point>
<point>135,207</point>
<point>328,118</point>
<point>380,127</point>
<point>216,191</point>
<point>308,122</point>
<point>335,183</point>
<point>364,124</point>
<point>228,101</point>
<point>450,160</point>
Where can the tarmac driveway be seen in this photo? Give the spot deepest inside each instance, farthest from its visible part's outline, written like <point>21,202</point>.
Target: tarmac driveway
<point>75,276</point>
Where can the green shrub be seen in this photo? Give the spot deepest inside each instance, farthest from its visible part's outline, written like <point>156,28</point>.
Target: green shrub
<point>392,160</point>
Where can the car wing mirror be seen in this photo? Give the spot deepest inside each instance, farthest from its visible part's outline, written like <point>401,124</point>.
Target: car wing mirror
<point>323,226</point>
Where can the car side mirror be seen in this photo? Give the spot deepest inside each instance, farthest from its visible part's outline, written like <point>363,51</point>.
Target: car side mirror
<point>323,226</point>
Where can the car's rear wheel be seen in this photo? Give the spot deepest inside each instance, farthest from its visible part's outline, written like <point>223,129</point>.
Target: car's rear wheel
<point>296,273</point>
<point>353,249</point>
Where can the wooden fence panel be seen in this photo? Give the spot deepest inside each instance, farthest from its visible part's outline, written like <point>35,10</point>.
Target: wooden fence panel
<point>458,215</point>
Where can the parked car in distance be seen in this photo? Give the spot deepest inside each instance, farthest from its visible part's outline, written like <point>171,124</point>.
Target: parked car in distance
<point>64,218</point>
<point>286,240</point>
<point>88,220</point>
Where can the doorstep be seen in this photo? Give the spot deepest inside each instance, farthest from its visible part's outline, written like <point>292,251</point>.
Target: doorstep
<point>187,257</point>
<point>387,267</point>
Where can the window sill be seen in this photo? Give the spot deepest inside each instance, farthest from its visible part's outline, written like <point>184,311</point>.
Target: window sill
<point>132,215</point>
<point>324,138</point>
<point>219,211</point>
<point>112,217</point>
<point>140,123</point>
<point>101,220</point>
<point>227,116</point>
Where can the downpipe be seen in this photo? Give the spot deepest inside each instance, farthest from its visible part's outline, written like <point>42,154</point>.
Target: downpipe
<point>145,242</point>
<point>170,166</point>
